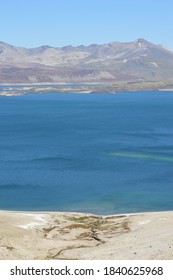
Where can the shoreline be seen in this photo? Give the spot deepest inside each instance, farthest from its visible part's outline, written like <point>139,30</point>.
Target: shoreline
<point>71,235</point>
<point>83,213</point>
<point>83,88</point>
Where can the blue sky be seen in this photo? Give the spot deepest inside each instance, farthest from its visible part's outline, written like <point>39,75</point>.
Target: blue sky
<point>63,22</point>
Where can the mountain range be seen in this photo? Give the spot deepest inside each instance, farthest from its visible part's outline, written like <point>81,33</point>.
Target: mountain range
<point>138,61</point>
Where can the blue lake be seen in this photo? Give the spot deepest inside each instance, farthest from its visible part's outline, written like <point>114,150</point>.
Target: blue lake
<point>98,153</point>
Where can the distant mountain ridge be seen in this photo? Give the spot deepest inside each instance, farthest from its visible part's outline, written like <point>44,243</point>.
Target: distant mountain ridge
<point>135,61</point>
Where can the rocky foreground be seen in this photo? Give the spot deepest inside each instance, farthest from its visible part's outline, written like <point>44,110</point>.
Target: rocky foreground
<point>25,235</point>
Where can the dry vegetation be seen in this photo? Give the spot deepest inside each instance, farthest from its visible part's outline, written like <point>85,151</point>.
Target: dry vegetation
<point>91,230</point>
<point>83,236</point>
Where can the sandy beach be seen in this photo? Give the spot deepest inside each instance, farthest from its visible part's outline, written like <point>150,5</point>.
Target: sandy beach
<point>54,235</point>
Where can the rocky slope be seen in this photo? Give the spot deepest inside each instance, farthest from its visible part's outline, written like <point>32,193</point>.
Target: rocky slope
<point>137,61</point>
<point>77,236</point>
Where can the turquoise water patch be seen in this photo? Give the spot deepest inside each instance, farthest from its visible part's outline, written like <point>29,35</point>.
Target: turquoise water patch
<point>143,156</point>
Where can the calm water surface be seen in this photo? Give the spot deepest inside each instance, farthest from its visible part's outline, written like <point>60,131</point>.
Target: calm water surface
<point>97,153</point>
